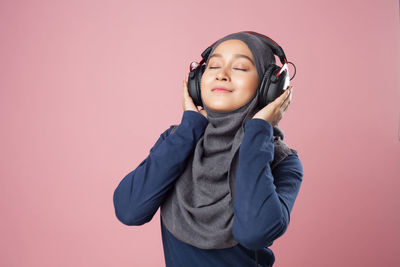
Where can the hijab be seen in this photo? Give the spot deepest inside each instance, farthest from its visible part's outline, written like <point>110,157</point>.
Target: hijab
<point>199,208</point>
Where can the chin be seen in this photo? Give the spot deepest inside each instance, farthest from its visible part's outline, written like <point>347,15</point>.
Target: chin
<point>219,102</point>
<point>220,106</point>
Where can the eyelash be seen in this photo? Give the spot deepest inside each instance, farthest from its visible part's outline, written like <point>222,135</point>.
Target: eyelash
<point>233,68</point>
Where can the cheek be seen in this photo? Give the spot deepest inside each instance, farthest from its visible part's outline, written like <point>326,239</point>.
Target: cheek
<point>206,75</point>
<point>248,83</point>
<point>253,82</point>
<point>205,79</point>
<point>203,82</point>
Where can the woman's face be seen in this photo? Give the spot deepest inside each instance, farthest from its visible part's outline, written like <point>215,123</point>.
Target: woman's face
<point>231,66</point>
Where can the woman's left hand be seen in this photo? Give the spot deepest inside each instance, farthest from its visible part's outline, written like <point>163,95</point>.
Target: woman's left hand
<point>273,112</point>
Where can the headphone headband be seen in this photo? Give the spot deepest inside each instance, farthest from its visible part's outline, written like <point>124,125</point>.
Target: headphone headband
<point>272,44</point>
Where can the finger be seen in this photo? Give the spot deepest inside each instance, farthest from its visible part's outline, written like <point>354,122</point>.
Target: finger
<point>281,99</point>
<point>283,96</point>
<point>185,89</point>
<point>285,106</point>
<point>286,103</point>
<point>186,93</point>
<point>288,93</point>
<point>288,96</point>
<point>183,92</point>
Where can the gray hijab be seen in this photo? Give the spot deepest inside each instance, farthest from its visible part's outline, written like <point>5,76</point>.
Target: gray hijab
<point>199,208</point>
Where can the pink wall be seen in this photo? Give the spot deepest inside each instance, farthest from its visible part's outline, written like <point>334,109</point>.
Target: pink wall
<point>88,86</point>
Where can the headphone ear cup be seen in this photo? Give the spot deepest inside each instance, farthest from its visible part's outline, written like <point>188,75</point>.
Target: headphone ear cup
<point>272,87</point>
<point>194,85</point>
<point>278,84</point>
<point>265,86</point>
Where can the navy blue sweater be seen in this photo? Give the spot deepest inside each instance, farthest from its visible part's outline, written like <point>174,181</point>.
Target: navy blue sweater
<point>262,204</point>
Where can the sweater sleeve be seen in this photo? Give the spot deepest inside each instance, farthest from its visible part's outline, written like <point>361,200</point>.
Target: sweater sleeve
<point>263,199</point>
<point>141,192</point>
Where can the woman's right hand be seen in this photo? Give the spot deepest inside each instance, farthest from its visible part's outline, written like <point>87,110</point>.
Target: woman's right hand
<point>274,111</point>
<point>187,101</point>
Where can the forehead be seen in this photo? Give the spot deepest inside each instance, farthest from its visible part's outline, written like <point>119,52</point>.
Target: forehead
<point>233,46</point>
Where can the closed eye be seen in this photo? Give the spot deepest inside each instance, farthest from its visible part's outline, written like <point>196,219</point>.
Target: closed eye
<point>233,68</point>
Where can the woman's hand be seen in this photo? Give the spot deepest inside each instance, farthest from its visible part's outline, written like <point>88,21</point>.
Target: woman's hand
<point>273,112</point>
<point>187,101</point>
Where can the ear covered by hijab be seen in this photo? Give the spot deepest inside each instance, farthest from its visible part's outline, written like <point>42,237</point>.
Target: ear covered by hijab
<point>199,209</point>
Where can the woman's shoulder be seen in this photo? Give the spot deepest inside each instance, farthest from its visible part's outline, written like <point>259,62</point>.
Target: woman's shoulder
<point>281,149</point>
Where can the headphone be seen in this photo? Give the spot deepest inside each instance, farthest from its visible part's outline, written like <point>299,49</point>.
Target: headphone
<point>274,82</point>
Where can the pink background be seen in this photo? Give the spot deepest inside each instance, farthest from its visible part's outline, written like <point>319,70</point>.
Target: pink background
<point>87,87</point>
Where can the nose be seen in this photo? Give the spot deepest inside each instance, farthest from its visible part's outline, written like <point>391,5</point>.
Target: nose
<point>222,75</point>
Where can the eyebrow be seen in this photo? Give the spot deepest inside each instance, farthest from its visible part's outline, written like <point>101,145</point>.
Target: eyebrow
<point>234,55</point>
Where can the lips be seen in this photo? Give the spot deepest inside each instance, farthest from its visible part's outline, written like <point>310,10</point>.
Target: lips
<point>221,89</point>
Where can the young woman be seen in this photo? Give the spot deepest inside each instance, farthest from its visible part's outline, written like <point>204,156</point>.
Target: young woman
<point>223,178</point>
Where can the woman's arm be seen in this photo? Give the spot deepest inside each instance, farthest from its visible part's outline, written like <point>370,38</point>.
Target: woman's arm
<point>141,192</point>
<point>263,200</point>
